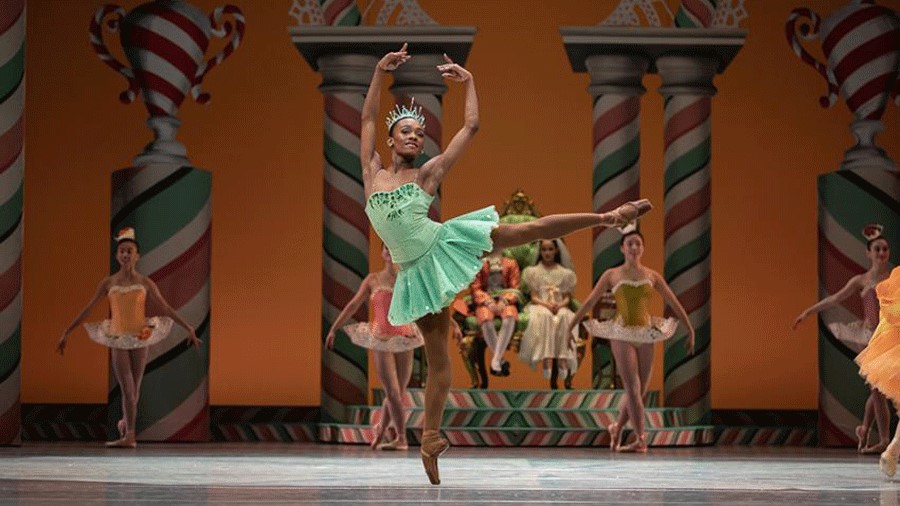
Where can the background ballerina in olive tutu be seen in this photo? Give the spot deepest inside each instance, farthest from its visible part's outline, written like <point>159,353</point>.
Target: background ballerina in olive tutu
<point>438,260</point>
<point>128,333</point>
<point>856,335</point>
<point>392,348</point>
<point>633,331</point>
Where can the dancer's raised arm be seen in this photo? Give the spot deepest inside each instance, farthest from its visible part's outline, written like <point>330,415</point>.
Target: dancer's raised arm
<point>388,63</point>
<point>852,286</point>
<point>360,298</point>
<point>603,285</point>
<point>434,170</point>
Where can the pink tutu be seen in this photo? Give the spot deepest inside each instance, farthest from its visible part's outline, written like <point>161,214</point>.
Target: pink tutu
<point>361,335</point>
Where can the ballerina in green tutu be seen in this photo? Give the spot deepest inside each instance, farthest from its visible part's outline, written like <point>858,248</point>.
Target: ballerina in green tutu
<point>437,260</point>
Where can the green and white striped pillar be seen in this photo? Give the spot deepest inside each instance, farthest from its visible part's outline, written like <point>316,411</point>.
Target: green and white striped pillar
<point>616,87</point>
<point>12,165</point>
<point>848,201</point>
<point>170,206</point>
<point>688,90</point>
<point>345,234</point>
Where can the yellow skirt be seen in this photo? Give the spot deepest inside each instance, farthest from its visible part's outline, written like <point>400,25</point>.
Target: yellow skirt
<point>879,362</point>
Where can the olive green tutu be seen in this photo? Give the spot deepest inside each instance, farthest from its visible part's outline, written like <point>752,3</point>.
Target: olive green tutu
<point>429,283</point>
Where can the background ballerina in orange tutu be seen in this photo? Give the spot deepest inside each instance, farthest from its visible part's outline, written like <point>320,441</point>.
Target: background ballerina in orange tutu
<point>128,333</point>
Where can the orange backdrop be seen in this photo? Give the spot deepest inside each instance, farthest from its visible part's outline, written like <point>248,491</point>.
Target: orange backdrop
<point>261,136</point>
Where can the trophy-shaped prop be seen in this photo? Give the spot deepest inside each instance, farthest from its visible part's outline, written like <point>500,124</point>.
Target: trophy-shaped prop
<point>165,43</point>
<point>861,43</point>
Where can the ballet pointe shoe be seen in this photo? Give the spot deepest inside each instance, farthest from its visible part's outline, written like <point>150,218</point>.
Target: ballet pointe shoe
<point>378,431</point>
<point>126,441</point>
<point>394,445</point>
<point>638,446</point>
<point>629,212</point>
<point>862,437</point>
<point>888,464</point>
<point>615,432</point>
<point>875,449</point>
<point>433,446</point>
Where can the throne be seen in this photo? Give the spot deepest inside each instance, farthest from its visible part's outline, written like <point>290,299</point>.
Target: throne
<point>518,209</point>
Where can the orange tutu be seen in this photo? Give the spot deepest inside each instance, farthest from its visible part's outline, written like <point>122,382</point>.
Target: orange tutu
<point>879,362</point>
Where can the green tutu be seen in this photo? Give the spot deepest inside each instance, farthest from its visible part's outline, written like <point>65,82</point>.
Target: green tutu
<point>437,260</point>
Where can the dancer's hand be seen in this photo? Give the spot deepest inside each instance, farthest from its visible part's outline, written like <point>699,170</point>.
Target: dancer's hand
<point>391,61</point>
<point>61,344</point>
<point>453,71</point>
<point>689,344</point>
<point>329,340</point>
<point>457,332</point>
<point>799,319</point>
<point>192,338</point>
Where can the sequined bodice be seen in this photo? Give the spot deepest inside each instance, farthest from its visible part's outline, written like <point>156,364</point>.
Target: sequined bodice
<point>400,218</point>
<point>381,303</point>
<point>126,305</point>
<point>631,301</point>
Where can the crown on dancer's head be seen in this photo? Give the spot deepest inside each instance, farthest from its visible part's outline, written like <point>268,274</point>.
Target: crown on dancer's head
<point>401,111</point>
<point>124,234</point>
<point>872,231</point>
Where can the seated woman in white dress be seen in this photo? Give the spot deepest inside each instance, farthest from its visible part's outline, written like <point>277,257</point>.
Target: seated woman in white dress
<point>546,338</point>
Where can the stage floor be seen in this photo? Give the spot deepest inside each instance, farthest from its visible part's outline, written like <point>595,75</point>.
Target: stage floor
<point>234,473</point>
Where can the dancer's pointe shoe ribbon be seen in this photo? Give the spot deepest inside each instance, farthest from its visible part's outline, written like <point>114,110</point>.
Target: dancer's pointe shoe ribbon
<point>433,446</point>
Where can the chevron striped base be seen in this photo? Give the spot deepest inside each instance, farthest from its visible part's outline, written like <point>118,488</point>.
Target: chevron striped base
<point>525,399</point>
<point>522,418</point>
<point>535,436</point>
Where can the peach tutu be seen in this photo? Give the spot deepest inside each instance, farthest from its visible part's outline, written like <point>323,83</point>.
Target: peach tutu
<point>879,362</point>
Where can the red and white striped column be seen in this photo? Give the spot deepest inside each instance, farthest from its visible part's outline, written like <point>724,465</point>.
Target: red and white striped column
<point>345,233</point>
<point>12,164</point>
<point>419,79</point>
<point>616,87</point>
<point>688,91</point>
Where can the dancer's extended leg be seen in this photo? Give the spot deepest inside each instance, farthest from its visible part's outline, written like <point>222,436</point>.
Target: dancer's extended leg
<point>386,367</point>
<point>435,328</point>
<point>558,225</point>
<point>882,415</point>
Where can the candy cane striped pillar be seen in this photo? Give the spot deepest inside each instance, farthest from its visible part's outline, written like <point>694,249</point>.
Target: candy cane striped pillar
<point>695,13</point>
<point>616,90</point>
<point>688,90</point>
<point>848,201</point>
<point>345,235</point>
<point>419,79</point>
<point>169,206</point>
<point>12,164</point>
<point>340,12</point>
